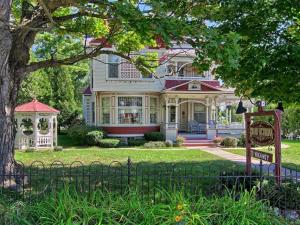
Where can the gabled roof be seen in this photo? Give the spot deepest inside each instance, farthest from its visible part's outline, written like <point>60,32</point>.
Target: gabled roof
<point>35,106</point>
<point>182,85</point>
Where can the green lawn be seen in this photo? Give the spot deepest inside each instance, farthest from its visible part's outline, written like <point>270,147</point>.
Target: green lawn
<point>290,155</point>
<point>177,156</point>
<point>192,169</point>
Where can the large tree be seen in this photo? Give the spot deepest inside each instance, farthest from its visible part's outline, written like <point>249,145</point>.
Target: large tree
<point>267,46</point>
<point>127,24</point>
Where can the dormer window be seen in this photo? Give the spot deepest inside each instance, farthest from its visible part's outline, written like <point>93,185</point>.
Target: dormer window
<point>113,66</point>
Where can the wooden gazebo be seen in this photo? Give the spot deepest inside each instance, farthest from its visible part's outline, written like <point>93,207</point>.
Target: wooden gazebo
<point>36,125</point>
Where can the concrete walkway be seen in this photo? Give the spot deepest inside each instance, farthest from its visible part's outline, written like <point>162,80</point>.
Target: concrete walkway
<point>267,167</point>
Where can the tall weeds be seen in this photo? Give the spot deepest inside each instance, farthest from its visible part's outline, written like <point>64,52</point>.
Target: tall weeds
<point>68,207</point>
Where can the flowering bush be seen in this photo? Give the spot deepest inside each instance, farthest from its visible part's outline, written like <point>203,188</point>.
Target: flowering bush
<point>179,141</point>
<point>218,140</point>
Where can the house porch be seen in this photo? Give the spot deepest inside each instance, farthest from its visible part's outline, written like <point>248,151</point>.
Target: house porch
<point>200,116</point>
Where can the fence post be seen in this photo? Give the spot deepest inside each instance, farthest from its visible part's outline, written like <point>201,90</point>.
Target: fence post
<point>128,171</point>
<point>260,176</point>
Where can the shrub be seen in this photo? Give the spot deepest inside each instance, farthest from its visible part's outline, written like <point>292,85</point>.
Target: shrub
<point>169,143</point>
<point>136,142</point>
<point>109,142</point>
<point>229,142</point>
<point>179,141</point>
<point>218,140</point>
<point>30,149</point>
<point>154,136</point>
<point>93,138</point>
<point>284,196</point>
<point>155,144</point>
<point>78,133</point>
<point>58,148</point>
<point>242,141</point>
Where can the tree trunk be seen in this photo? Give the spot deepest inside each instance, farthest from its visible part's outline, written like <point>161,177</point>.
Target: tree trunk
<point>9,83</point>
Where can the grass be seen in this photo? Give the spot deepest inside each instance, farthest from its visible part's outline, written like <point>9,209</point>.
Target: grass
<point>87,155</point>
<point>68,207</point>
<point>290,155</point>
<point>150,168</point>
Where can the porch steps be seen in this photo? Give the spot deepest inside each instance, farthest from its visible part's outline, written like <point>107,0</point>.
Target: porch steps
<point>200,142</point>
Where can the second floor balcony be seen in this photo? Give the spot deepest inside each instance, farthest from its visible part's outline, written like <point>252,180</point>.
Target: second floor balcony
<point>120,69</point>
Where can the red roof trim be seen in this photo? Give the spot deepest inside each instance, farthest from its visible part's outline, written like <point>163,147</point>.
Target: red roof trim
<point>35,106</point>
<point>172,84</point>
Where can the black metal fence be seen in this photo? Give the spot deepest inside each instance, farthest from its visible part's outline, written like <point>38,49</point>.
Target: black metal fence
<point>38,180</point>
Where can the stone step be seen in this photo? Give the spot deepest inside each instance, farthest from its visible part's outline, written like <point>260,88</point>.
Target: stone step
<point>199,144</point>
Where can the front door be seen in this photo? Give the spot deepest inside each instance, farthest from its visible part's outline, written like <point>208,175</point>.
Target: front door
<point>200,116</point>
<point>183,117</point>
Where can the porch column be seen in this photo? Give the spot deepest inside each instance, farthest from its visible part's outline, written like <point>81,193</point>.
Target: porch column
<point>207,113</point>
<point>176,113</point>
<point>229,116</point>
<point>167,112</point>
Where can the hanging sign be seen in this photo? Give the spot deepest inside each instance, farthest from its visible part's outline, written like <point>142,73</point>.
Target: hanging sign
<point>262,155</point>
<point>262,133</point>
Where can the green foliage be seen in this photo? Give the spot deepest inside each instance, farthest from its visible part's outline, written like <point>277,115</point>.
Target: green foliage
<point>285,196</point>
<point>179,141</point>
<point>257,47</point>
<point>154,136</point>
<point>291,120</point>
<point>242,140</point>
<point>169,143</point>
<point>70,207</point>
<point>59,87</point>
<point>93,138</point>
<point>155,144</point>
<point>109,143</point>
<point>79,132</point>
<point>58,148</point>
<point>136,142</point>
<point>229,142</point>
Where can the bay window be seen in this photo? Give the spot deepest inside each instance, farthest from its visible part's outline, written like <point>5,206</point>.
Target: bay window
<point>130,110</point>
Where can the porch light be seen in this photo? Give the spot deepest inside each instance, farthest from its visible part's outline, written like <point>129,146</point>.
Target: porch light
<point>280,106</point>
<point>240,109</point>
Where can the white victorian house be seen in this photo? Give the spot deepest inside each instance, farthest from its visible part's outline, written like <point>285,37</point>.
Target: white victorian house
<point>126,103</point>
<point>36,125</point>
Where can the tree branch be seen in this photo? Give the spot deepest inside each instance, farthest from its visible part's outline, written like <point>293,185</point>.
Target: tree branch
<point>69,61</point>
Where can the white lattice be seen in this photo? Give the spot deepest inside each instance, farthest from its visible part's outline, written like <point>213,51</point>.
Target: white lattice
<point>128,71</point>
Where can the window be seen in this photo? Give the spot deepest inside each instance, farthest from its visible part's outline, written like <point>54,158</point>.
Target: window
<point>113,66</point>
<point>130,110</point>
<point>153,110</point>
<point>199,113</point>
<point>172,114</point>
<point>105,110</point>
<point>180,68</point>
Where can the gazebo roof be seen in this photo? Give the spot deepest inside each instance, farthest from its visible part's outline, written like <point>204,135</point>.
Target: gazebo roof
<point>35,106</point>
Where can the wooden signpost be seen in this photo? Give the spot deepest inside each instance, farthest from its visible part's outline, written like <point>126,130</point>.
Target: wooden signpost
<point>263,133</point>
<point>262,155</point>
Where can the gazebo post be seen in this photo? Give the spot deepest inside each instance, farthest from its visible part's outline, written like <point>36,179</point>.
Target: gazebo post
<point>56,127</point>
<point>50,124</point>
<point>35,130</point>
